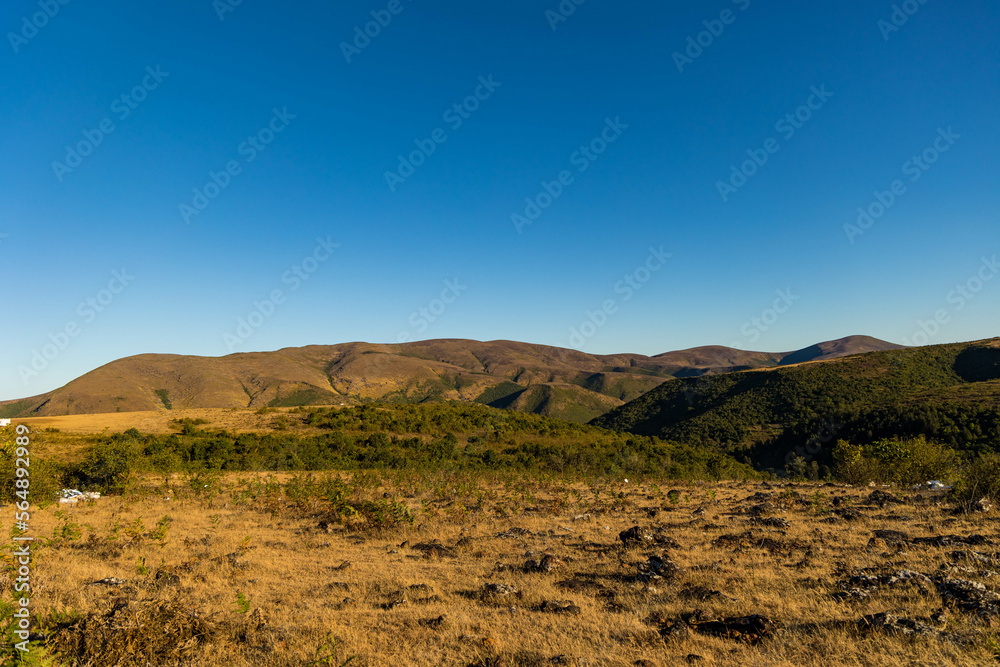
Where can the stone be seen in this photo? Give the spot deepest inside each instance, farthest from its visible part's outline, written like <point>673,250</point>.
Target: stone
<point>762,509</point>
<point>894,625</point>
<point>634,536</point>
<point>751,629</point>
<point>983,505</point>
<point>437,622</point>
<point>547,563</point>
<point>499,590</point>
<point>969,596</point>
<point>882,498</point>
<point>514,532</point>
<point>559,607</point>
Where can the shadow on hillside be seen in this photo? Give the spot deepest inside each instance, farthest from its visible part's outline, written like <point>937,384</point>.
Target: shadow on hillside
<point>977,364</point>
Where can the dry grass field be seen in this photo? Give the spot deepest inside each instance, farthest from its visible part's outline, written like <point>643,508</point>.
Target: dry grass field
<point>65,436</point>
<point>154,421</point>
<point>237,570</point>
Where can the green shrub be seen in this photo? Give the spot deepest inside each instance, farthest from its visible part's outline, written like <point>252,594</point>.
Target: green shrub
<point>893,460</point>
<point>980,478</point>
<point>45,477</point>
<point>109,466</point>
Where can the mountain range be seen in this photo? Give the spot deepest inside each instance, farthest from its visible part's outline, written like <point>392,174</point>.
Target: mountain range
<point>552,381</point>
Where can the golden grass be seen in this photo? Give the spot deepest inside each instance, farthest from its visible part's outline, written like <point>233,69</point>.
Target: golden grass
<point>394,598</point>
<point>156,421</point>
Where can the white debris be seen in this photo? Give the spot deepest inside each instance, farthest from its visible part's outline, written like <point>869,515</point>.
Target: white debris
<point>932,485</point>
<point>73,495</point>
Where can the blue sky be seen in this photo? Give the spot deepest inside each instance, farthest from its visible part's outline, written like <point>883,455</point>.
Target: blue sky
<point>642,125</point>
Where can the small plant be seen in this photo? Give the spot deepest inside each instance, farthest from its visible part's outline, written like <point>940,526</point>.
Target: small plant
<point>162,527</point>
<point>992,645</point>
<point>242,603</point>
<point>329,647</point>
<point>674,496</point>
<point>818,501</point>
<point>140,567</point>
<point>136,529</point>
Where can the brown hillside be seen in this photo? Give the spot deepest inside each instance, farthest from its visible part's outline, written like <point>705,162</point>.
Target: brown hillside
<point>538,378</point>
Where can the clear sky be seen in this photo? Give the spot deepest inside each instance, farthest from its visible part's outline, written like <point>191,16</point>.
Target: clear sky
<point>683,172</point>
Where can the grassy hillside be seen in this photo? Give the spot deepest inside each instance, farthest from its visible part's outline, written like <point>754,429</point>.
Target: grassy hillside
<point>950,393</point>
<point>549,380</point>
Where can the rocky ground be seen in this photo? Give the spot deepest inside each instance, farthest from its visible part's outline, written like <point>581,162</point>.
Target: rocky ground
<point>527,573</point>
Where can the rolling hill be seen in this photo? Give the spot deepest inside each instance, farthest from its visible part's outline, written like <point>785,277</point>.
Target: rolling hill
<point>950,393</point>
<point>552,381</point>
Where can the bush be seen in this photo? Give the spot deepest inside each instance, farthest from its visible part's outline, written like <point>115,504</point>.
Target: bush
<point>903,462</point>
<point>980,478</point>
<point>108,466</point>
<point>46,477</point>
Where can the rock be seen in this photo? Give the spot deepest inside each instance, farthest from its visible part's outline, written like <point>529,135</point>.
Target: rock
<point>514,532</point>
<point>751,629</point>
<point>559,607</point>
<point>891,536</point>
<point>771,522</point>
<point>851,594</point>
<point>546,563</point>
<point>983,505</point>
<point>635,536</point>
<point>952,540</point>
<point>858,586</point>
<point>676,629</point>
<point>848,514</point>
<point>582,517</point>
<point>703,594</point>
<point>434,548</point>
<point>166,578</point>
<point>988,560</point>
<point>107,581</point>
<point>882,498</point>
<point>894,625</point>
<point>762,509</point>
<point>969,596</point>
<point>498,590</point>
<point>657,567</point>
<point>435,622</point>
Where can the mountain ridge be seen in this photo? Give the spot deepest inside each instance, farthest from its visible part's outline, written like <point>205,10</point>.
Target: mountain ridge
<point>947,392</point>
<point>554,381</point>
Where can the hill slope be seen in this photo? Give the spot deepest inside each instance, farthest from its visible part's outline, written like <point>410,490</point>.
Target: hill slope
<point>534,378</point>
<point>948,392</point>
